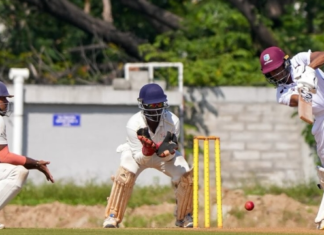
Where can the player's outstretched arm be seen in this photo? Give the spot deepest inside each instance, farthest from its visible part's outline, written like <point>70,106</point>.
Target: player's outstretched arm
<point>41,166</point>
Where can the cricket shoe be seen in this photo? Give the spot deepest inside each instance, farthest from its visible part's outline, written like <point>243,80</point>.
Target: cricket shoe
<point>186,222</point>
<point>2,226</point>
<point>320,225</point>
<point>110,222</point>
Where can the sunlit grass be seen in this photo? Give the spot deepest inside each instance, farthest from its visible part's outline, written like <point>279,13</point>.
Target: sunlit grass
<point>95,194</point>
<point>89,194</point>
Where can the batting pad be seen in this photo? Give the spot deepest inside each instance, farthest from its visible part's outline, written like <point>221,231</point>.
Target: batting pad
<point>120,194</point>
<point>183,195</point>
<point>320,213</point>
<point>320,174</point>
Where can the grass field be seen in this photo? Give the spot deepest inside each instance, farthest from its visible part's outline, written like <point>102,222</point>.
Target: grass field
<point>134,231</point>
<point>91,194</point>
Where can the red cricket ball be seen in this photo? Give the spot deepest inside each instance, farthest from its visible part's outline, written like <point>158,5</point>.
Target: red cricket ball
<point>249,205</point>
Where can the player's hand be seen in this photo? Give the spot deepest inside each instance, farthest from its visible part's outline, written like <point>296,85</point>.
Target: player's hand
<point>168,145</point>
<point>149,147</point>
<point>305,94</point>
<point>42,166</point>
<point>299,71</point>
<point>308,80</point>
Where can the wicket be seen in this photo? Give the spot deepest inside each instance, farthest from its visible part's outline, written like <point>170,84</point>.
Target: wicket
<point>206,140</point>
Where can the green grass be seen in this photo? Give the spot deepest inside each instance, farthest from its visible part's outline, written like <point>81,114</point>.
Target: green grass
<point>95,194</point>
<point>133,232</point>
<point>89,194</point>
<point>308,194</point>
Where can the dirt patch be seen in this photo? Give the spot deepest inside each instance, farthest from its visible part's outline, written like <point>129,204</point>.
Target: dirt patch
<point>271,211</point>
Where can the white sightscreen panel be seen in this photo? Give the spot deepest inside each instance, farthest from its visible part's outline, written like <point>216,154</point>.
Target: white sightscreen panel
<point>80,153</point>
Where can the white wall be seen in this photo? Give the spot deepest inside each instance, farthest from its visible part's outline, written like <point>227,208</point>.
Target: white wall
<point>259,139</point>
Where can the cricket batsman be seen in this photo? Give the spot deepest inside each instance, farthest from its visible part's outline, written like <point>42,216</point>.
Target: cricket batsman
<point>151,142</point>
<point>302,71</point>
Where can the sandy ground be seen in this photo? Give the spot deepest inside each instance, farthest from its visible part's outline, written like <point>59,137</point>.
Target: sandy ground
<point>271,213</point>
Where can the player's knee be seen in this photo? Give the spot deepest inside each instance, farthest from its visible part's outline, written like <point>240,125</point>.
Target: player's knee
<point>176,178</point>
<point>22,174</point>
<point>128,162</point>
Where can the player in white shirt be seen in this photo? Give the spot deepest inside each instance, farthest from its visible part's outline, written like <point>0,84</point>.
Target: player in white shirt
<point>301,71</point>
<point>152,142</point>
<point>13,167</point>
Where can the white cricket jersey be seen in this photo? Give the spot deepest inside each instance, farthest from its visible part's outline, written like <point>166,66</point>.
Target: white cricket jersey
<point>3,135</point>
<point>168,122</point>
<point>284,92</point>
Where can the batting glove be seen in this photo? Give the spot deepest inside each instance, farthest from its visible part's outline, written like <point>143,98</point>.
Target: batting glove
<point>168,145</point>
<point>299,71</point>
<point>308,80</point>
<point>149,147</point>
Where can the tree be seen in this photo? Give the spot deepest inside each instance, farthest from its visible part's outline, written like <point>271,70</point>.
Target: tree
<point>218,41</point>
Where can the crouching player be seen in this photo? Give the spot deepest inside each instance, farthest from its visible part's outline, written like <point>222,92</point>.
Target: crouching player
<point>13,168</point>
<point>152,142</point>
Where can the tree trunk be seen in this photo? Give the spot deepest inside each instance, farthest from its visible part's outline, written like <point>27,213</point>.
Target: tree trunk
<point>262,33</point>
<point>69,13</point>
<point>87,6</point>
<point>164,17</point>
<point>106,12</point>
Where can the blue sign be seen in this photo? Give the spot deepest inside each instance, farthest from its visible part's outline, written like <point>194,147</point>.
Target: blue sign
<point>66,119</point>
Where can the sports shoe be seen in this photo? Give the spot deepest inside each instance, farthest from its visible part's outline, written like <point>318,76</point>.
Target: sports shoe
<point>320,225</point>
<point>110,222</point>
<point>2,226</point>
<point>186,222</point>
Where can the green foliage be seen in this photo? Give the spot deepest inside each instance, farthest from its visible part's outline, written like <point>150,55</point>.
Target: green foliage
<point>214,45</point>
<point>301,27</point>
<point>215,41</point>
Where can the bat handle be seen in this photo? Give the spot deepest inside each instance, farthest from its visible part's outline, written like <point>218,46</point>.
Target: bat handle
<point>306,94</point>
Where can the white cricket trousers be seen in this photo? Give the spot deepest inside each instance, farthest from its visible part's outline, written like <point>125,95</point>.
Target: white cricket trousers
<point>174,168</point>
<point>12,178</point>
<point>318,132</point>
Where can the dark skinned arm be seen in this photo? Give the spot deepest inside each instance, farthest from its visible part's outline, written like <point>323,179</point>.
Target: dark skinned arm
<point>39,165</point>
<point>317,59</point>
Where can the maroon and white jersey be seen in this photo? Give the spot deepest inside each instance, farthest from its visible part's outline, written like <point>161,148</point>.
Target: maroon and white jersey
<point>284,91</point>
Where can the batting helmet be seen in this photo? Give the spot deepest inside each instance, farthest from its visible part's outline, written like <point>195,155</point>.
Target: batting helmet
<point>152,93</point>
<point>5,111</point>
<point>3,91</point>
<point>271,59</point>
<point>152,101</point>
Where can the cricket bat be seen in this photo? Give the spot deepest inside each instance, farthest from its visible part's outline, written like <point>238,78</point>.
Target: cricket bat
<point>305,112</point>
